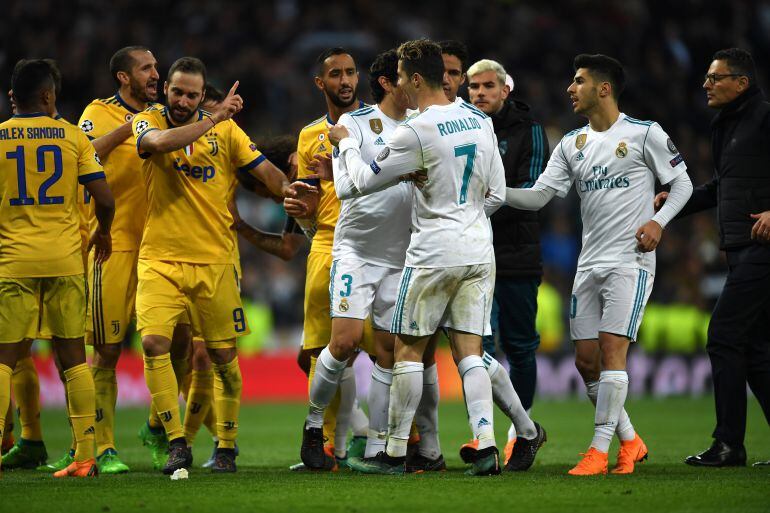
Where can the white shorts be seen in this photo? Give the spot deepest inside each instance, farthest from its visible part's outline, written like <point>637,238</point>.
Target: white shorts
<point>457,298</point>
<point>608,299</point>
<point>359,289</point>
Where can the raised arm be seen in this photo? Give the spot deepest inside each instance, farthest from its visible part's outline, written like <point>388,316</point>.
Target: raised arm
<point>164,141</point>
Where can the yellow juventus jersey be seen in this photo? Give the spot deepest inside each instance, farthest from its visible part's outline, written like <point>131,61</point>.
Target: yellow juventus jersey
<point>123,169</point>
<point>314,138</point>
<point>188,189</point>
<point>41,162</point>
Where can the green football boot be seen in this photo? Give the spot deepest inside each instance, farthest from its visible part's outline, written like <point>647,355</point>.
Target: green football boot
<point>109,463</point>
<point>59,464</point>
<point>356,447</point>
<point>380,464</point>
<point>487,463</point>
<point>155,440</point>
<point>27,454</point>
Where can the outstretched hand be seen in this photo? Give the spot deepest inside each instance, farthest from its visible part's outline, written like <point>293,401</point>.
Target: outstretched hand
<point>321,166</point>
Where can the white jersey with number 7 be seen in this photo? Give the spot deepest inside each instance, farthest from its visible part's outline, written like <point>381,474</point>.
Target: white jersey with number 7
<point>456,146</point>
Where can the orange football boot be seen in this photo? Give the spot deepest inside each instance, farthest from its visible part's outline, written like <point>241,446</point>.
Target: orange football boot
<point>508,450</point>
<point>630,452</point>
<point>85,468</point>
<point>594,462</point>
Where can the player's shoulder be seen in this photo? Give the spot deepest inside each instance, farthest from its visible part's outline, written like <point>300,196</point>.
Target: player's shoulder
<point>364,111</point>
<point>314,126</point>
<point>155,110</point>
<point>574,134</point>
<point>472,109</point>
<point>637,122</point>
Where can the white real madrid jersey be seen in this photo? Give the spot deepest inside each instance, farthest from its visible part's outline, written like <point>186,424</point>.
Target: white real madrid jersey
<point>614,173</point>
<point>456,147</point>
<point>373,228</point>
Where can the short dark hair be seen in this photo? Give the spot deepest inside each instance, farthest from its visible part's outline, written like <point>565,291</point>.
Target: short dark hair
<point>458,49</point>
<point>384,65</point>
<point>191,65</point>
<point>29,78</point>
<point>329,52</point>
<point>739,61</point>
<point>604,68</point>
<point>422,56</point>
<point>275,149</point>
<point>55,74</point>
<point>213,94</point>
<point>123,61</point>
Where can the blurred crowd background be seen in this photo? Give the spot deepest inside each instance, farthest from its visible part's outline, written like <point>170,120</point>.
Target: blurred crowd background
<point>271,46</point>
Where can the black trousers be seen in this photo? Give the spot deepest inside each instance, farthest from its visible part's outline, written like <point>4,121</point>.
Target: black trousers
<point>739,341</point>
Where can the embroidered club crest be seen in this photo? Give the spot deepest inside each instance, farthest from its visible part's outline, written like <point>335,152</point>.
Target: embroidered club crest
<point>580,141</point>
<point>376,125</point>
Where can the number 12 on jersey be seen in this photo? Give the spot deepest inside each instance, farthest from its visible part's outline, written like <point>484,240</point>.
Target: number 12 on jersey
<point>42,197</point>
<point>469,152</point>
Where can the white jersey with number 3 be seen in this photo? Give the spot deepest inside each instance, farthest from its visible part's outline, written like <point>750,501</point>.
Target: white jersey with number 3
<point>372,228</point>
<point>614,173</point>
<point>457,149</point>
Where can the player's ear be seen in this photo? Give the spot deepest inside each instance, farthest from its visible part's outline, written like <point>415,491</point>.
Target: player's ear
<point>123,77</point>
<point>463,79</point>
<point>319,83</point>
<point>165,88</point>
<point>505,92</point>
<point>385,84</point>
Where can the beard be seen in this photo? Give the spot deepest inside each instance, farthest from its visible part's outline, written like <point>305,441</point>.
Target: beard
<point>140,92</point>
<point>180,117</point>
<point>339,102</point>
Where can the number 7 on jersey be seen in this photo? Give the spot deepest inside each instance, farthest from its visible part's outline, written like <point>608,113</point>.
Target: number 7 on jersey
<point>469,152</point>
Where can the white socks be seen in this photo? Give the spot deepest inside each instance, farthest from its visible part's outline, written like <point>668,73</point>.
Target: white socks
<point>613,388</point>
<point>507,399</point>
<point>625,429</point>
<point>379,398</point>
<point>405,393</point>
<point>478,399</point>
<point>347,400</point>
<point>426,417</point>
<point>328,372</point>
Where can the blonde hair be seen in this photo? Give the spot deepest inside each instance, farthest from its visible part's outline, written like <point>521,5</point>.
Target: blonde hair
<point>488,65</point>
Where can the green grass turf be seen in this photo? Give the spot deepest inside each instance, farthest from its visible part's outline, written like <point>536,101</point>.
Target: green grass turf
<point>270,438</point>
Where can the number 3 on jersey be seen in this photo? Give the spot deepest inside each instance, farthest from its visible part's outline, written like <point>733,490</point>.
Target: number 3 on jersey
<point>469,152</point>
<point>21,176</point>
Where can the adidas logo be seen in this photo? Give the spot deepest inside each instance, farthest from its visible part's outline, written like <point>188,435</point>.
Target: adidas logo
<point>89,431</point>
<point>379,142</point>
<point>413,326</point>
<point>483,422</point>
<point>580,156</point>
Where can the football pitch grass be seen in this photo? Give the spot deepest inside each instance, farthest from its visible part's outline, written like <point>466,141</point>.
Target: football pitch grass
<point>270,437</point>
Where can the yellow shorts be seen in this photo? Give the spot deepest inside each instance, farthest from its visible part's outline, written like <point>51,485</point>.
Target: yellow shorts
<point>208,293</point>
<point>317,327</point>
<point>44,307</point>
<point>112,301</point>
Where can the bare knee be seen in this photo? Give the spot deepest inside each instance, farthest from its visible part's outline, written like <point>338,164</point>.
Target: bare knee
<point>200,357</point>
<point>222,356</point>
<point>106,356</point>
<point>155,345</point>
<point>70,351</point>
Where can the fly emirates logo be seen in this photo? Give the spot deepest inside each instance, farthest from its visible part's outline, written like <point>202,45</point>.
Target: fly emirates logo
<point>601,181</point>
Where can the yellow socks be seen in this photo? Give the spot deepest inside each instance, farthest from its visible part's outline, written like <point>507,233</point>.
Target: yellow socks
<point>5,393</point>
<point>106,386</point>
<point>198,402</point>
<point>211,420</point>
<point>26,390</point>
<point>227,401</point>
<point>163,387</point>
<point>80,396</point>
